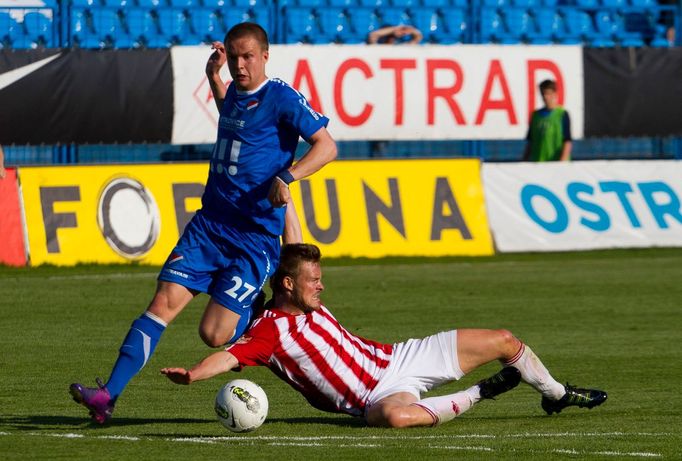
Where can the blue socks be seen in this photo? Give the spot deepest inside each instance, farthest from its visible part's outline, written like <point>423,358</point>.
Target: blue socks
<point>136,349</point>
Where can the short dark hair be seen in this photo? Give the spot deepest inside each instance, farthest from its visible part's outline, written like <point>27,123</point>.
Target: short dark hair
<point>290,260</point>
<point>248,29</point>
<point>547,85</point>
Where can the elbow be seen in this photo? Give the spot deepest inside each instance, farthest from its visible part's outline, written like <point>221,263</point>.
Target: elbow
<point>332,152</point>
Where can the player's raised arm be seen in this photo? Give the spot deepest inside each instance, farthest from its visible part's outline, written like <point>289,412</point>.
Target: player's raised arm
<point>292,226</point>
<point>322,151</point>
<point>213,65</point>
<point>214,364</point>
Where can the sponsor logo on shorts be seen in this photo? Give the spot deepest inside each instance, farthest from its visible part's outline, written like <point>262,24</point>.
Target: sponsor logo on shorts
<point>177,273</point>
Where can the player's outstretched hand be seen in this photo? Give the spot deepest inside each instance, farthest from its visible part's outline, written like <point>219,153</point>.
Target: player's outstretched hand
<point>279,193</point>
<point>177,375</point>
<point>217,59</point>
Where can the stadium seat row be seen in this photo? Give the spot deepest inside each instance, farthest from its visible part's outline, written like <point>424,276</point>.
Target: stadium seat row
<point>129,27</point>
<point>153,28</point>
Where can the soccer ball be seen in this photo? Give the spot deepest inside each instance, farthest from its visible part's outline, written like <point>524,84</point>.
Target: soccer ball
<point>241,405</point>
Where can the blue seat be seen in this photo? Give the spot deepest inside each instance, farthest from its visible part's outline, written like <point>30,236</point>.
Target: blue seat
<point>307,3</point>
<point>579,26</point>
<point>106,24</point>
<point>362,21</point>
<point>141,26</point>
<point>149,4</point>
<point>116,3</point>
<point>173,24</point>
<point>206,25</point>
<point>549,26</point>
<point>84,4</point>
<point>525,3</point>
<point>185,4</point>
<point>612,3</point>
<point>39,28</point>
<point>300,25</point>
<point>427,21</point>
<point>452,25</point>
<point>333,24</point>
<point>404,4</point>
<point>370,3</point>
<point>261,16</point>
<point>518,25</point>
<point>493,3</point>
<point>435,3</point>
<point>233,16</point>
<point>643,3</point>
<point>342,3</point>
<point>214,4</point>
<point>587,3</point>
<point>491,25</point>
<point>389,16</point>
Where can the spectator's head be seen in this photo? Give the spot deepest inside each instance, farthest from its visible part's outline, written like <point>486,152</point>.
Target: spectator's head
<point>548,90</point>
<point>246,47</point>
<point>298,278</point>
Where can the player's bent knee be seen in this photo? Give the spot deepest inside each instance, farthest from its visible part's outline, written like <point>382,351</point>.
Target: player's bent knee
<point>214,338</point>
<point>507,340</point>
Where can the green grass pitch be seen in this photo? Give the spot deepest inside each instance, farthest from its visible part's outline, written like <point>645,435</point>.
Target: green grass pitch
<point>608,319</point>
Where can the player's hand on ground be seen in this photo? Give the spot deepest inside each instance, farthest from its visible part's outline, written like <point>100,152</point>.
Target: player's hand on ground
<point>217,59</point>
<point>177,375</point>
<point>279,193</point>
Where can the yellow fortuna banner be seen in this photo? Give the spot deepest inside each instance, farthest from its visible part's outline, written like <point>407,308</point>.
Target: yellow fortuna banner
<point>109,214</point>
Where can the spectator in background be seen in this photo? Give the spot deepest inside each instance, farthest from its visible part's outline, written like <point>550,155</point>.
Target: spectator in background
<point>400,34</point>
<point>549,133</point>
<point>667,20</point>
<point>2,164</point>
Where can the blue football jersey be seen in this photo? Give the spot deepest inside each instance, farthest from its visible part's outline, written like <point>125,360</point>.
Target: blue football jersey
<point>257,137</point>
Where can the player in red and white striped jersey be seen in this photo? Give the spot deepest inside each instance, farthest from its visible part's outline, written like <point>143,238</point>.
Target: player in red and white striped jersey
<point>301,341</point>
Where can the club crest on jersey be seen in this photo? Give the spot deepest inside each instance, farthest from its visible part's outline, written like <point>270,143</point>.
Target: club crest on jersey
<point>175,258</point>
<point>252,104</point>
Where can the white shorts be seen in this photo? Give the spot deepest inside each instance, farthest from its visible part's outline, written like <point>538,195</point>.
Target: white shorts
<point>419,365</point>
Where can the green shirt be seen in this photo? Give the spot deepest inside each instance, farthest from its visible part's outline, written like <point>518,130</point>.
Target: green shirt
<point>546,135</point>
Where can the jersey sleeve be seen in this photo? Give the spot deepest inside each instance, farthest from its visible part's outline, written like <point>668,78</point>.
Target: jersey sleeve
<point>295,111</point>
<point>256,346</point>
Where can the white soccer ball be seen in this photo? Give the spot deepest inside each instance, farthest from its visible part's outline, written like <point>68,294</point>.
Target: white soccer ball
<point>241,405</point>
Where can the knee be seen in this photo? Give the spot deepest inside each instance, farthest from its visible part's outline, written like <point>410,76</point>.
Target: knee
<point>397,418</point>
<point>213,338</point>
<point>507,342</point>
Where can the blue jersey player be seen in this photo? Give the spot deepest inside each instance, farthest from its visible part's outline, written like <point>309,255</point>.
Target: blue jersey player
<point>231,246</point>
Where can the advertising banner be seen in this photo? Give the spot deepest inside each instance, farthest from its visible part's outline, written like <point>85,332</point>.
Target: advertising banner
<point>405,92</point>
<point>64,96</point>
<point>584,205</point>
<point>108,214</point>
<point>12,247</point>
<point>396,207</point>
<point>125,213</point>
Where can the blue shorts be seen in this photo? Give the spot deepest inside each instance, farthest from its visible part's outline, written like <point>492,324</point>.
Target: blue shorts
<point>229,264</point>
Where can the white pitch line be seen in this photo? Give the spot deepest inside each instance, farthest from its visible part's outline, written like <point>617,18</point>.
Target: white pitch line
<point>327,441</point>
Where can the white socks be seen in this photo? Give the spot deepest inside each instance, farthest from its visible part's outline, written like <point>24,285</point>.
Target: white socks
<point>534,373</point>
<point>446,407</point>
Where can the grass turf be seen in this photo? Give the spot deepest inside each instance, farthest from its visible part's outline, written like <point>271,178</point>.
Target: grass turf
<point>605,319</point>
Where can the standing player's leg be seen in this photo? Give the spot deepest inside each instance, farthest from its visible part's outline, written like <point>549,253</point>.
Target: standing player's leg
<point>137,347</point>
<point>219,324</point>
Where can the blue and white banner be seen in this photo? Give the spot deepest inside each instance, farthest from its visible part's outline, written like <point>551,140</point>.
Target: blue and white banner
<point>584,205</point>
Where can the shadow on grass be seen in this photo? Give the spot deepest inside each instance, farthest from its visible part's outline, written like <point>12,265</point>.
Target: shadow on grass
<point>41,422</point>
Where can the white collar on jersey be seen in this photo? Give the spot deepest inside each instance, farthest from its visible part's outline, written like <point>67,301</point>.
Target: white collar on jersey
<point>246,93</point>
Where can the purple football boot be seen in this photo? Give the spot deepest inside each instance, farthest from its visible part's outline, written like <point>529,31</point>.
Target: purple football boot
<point>95,399</point>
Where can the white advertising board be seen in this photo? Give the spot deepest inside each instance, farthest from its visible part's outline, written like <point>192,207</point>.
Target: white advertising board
<point>584,205</point>
<point>408,92</point>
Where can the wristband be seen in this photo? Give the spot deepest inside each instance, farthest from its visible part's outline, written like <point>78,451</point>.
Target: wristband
<point>286,177</point>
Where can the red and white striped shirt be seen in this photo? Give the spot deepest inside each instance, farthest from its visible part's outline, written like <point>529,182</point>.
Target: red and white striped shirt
<point>333,369</point>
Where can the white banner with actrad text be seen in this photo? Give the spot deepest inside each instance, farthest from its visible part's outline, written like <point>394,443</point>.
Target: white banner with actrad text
<point>584,205</point>
<point>407,92</point>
